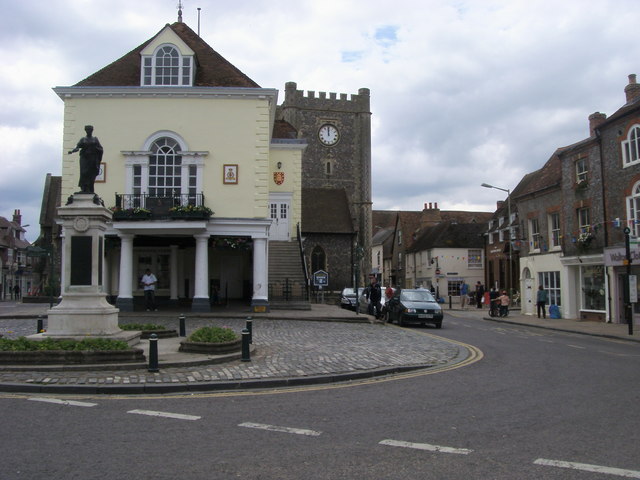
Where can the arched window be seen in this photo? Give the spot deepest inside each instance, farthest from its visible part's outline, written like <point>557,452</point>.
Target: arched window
<point>165,165</point>
<point>631,147</point>
<point>633,210</point>
<point>167,67</point>
<point>318,259</point>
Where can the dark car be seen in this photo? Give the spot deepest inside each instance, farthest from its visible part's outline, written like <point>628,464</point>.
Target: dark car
<point>414,306</point>
<point>348,299</point>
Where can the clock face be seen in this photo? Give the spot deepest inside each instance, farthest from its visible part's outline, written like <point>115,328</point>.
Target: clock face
<point>329,135</point>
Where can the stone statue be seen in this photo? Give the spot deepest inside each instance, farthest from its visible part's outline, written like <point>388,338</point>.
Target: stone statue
<point>90,158</point>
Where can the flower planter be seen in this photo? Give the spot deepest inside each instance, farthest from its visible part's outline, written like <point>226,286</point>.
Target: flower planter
<point>190,215</point>
<point>211,348</point>
<point>64,357</point>
<point>159,333</point>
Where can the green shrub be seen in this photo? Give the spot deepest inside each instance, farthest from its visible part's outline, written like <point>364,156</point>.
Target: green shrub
<point>141,326</point>
<point>88,344</point>
<point>213,335</point>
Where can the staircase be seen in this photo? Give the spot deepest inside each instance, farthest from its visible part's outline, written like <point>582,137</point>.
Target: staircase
<point>286,277</point>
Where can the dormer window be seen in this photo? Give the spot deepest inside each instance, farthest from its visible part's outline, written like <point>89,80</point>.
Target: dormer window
<point>167,67</point>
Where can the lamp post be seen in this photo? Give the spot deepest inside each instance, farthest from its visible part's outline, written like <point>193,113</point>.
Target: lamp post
<point>486,185</point>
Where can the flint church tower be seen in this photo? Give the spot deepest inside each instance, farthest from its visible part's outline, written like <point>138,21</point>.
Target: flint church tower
<point>336,165</point>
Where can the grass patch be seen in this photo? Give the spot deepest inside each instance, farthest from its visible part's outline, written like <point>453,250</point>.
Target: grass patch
<point>213,335</point>
<point>88,344</point>
<point>142,326</point>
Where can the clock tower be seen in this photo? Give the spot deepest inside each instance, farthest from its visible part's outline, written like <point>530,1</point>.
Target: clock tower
<point>337,128</point>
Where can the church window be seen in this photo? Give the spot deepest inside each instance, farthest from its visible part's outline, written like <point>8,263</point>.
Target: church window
<point>318,259</point>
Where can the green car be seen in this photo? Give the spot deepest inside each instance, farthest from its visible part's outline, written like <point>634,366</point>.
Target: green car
<point>414,306</point>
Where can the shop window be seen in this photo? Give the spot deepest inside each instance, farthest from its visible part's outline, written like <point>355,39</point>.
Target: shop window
<point>550,281</point>
<point>593,291</point>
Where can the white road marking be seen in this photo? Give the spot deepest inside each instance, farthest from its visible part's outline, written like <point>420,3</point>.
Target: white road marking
<point>153,413</point>
<point>426,446</point>
<point>275,428</point>
<point>62,402</point>
<point>589,468</point>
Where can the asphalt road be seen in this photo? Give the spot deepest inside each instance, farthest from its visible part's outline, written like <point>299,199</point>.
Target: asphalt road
<point>535,399</point>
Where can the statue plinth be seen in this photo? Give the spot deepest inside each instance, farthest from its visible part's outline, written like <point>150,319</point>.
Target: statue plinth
<point>84,310</point>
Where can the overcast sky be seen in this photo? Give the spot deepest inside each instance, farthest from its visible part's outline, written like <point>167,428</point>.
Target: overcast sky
<point>462,92</point>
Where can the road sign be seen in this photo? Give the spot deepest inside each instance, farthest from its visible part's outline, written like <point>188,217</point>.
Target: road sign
<point>320,278</point>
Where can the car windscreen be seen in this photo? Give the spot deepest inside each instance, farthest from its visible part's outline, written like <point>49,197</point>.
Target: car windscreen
<point>416,296</point>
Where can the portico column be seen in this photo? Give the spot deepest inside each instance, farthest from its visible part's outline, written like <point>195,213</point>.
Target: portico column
<point>201,292</point>
<point>173,278</point>
<point>260,299</point>
<point>125,284</point>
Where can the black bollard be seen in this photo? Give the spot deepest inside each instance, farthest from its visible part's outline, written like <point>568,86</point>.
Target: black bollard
<point>153,353</point>
<point>183,328</point>
<point>246,354</point>
<point>250,328</point>
<point>39,325</point>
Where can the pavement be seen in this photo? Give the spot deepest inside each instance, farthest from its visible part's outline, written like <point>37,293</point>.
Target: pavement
<point>290,348</point>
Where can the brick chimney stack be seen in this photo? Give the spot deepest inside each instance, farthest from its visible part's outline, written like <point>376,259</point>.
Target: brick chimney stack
<point>633,89</point>
<point>595,120</point>
<point>430,215</point>
<point>17,218</point>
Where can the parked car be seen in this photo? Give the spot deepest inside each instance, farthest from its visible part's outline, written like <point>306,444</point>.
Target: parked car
<point>414,306</point>
<point>348,299</point>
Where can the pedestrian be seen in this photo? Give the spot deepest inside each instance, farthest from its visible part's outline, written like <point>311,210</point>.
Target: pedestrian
<point>479,294</point>
<point>149,281</point>
<point>464,291</point>
<point>375,295</point>
<point>541,301</point>
<point>504,301</point>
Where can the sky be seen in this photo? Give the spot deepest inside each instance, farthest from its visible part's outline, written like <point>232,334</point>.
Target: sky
<point>462,92</point>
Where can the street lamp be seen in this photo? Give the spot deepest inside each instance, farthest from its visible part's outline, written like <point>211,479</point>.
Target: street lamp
<point>486,185</point>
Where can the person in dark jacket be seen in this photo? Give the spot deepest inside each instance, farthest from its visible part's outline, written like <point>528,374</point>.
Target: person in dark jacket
<point>374,295</point>
<point>479,294</point>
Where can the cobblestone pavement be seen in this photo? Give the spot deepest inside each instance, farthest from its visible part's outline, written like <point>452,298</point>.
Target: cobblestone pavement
<point>287,352</point>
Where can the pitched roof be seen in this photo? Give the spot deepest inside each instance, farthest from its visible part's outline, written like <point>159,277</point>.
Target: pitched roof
<point>212,70</point>
<point>326,210</point>
<point>450,235</point>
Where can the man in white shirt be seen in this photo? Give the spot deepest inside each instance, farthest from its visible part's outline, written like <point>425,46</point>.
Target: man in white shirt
<point>149,281</point>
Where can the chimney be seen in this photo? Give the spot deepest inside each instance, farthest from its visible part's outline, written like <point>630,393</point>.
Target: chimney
<point>17,218</point>
<point>430,215</point>
<point>595,120</point>
<point>633,89</point>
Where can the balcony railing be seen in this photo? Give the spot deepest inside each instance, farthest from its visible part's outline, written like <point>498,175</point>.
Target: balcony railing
<point>143,205</point>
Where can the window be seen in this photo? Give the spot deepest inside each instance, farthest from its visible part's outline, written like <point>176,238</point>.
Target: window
<point>550,281</point>
<point>553,222</point>
<point>584,224</point>
<point>453,288</point>
<point>318,259</point>
<point>633,210</point>
<point>474,258</point>
<point>631,147</point>
<point>165,168</point>
<point>167,67</point>
<point>593,287</point>
<point>581,170</point>
<point>534,228</point>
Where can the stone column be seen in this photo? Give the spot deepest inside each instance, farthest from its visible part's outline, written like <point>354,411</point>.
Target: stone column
<point>173,280</point>
<point>260,298</point>
<point>200,301</point>
<point>125,285</point>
